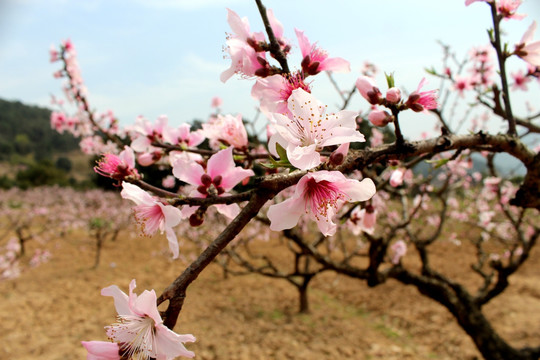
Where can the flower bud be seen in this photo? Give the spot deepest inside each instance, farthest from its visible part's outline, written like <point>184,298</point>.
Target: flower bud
<point>379,118</point>
<point>145,159</point>
<point>393,95</point>
<point>368,89</point>
<point>196,220</point>
<point>338,156</point>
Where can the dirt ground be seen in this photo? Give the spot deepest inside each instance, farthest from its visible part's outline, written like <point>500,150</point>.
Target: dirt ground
<point>48,310</point>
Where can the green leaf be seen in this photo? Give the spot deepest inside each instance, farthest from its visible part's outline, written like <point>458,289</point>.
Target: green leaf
<point>390,80</point>
<point>438,163</point>
<point>281,152</point>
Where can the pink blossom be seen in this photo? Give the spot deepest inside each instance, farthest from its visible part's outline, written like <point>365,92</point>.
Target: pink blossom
<point>216,102</point>
<point>183,136</point>
<point>362,220</point>
<point>274,91</point>
<point>316,59</point>
<point>145,133</point>
<point>520,81</point>
<point>508,8</point>
<point>247,56</point>
<point>311,129</point>
<point>396,179</point>
<point>119,166</point>
<point>140,330</point>
<point>153,215</point>
<point>320,194</point>
<point>399,249</point>
<point>461,84</point>
<point>368,89</point>
<point>377,137</point>
<point>101,350</point>
<point>53,54</point>
<point>527,49</point>
<point>220,176</point>
<point>226,129</point>
<point>421,101</point>
<point>168,182</point>
<point>469,2</point>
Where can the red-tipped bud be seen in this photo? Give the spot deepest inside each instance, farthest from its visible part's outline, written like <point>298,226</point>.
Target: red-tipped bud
<point>305,62</point>
<point>313,68</point>
<point>217,180</point>
<point>196,219</point>
<point>203,190</point>
<point>262,72</point>
<point>206,180</point>
<point>254,44</point>
<point>220,190</point>
<point>262,61</point>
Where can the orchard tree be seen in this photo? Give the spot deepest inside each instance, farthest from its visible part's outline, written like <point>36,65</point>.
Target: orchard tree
<point>311,181</point>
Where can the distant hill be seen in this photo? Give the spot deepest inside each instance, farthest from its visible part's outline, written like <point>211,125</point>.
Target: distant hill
<point>32,154</point>
<point>26,129</point>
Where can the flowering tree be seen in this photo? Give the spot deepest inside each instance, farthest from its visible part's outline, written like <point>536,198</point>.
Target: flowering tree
<point>316,172</point>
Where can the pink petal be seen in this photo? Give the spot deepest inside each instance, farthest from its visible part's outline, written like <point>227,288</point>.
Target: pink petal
<point>101,350</point>
<point>277,27</point>
<point>229,211</point>
<point>220,162</point>
<point>286,214</point>
<point>335,64</point>
<point>172,215</point>
<point>145,305</point>
<point>173,242</point>
<point>303,157</point>
<point>128,156</point>
<point>358,190</point>
<point>325,224</point>
<point>529,34</point>
<point>136,194</point>
<point>238,25</point>
<point>188,171</point>
<point>121,302</point>
<point>171,344</point>
<point>303,42</point>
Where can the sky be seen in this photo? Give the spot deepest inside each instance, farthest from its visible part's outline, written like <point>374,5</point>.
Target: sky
<point>154,57</point>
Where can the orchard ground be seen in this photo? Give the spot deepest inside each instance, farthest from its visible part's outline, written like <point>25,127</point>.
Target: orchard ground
<point>48,310</point>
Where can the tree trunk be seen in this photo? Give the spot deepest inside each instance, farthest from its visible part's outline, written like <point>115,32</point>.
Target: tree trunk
<point>469,315</point>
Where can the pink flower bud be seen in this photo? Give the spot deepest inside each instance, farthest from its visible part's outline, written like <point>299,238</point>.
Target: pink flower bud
<point>145,159</point>
<point>393,95</point>
<point>368,89</point>
<point>396,179</point>
<point>379,117</point>
<point>338,156</point>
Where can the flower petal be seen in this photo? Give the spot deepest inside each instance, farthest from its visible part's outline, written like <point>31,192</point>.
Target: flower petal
<point>171,344</point>
<point>101,350</point>
<point>358,190</point>
<point>188,171</point>
<point>303,157</point>
<point>136,194</point>
<point>121,301</point>
<point>286,214</point>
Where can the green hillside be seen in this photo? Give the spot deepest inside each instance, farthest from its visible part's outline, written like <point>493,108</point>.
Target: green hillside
<point>33,154</point>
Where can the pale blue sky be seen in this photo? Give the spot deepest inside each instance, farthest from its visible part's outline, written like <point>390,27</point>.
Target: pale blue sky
<point>153,57</point>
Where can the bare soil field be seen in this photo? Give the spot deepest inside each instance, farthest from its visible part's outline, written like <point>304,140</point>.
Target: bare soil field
<point>48,310</point>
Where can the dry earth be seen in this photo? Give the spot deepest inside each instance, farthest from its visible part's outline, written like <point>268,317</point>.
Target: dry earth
<point>48,310</point>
